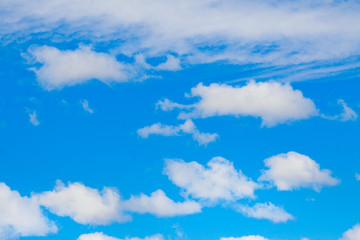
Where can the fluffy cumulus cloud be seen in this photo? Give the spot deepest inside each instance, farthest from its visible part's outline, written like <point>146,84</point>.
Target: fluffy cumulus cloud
<point>70,67</point>
<point>267,211</point>
<point>83,204</point>
<point>186,128</point>
<point>352,234</point>
<point>292,170</point>
<point>102,236</point>
<point>160,205</point>
<point>21,216</point>
<point>218,180</point>
<point>250,237</point>
<point>273,102</point>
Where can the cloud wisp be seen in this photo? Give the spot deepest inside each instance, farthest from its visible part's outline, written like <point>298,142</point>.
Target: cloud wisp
<point>186,128</point>
<point>267,211</point>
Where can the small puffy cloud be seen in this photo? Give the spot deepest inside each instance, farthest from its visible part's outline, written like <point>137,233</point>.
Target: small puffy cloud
<point>83,204</point>
<point>218,180</point>
<point>292,170</point>
<point>85,105</point>
<point>21,216</point>
<point>101,236</point>
<point>273,102</point>
<point>251,237</point>
<point>188,128</point>
<point>265,211</point>
<point>352,234</point>
<point>160,205</point>
<point>33,118</point>
<point>71,67</point>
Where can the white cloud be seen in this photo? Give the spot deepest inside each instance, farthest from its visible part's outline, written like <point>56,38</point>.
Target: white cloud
<point>251,237</point>
<point>218,181</point>
<point>85,105</point>
<point>160,205</point>
<point>352,234</point>
<point>292,170</point>
<point>83,204</point>
<point>21,216</point>
<point>188,127</point>
<point>33,118</point>
<point>202,31</point>
<point>101,236</point>
<point>273,102</point>
<point>267,211</point>
<point>71,67</point>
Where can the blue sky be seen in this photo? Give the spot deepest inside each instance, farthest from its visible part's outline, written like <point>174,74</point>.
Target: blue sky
<point>179,120</point>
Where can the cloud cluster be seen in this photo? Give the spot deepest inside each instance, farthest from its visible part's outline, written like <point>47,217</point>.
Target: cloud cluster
<point>292,170</point>
<point>187,128</point>
<point>273,102</point>
<point>219,180</point>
